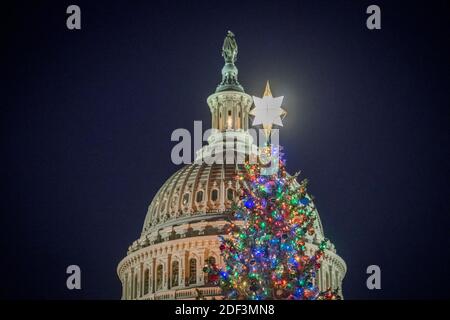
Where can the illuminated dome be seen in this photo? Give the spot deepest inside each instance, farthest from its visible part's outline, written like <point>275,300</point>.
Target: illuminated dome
<point>190,210</point>
<point>195,193</point>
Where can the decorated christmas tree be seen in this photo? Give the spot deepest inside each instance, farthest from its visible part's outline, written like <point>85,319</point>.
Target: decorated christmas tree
<point>265,255</point>
<point>265,248</point>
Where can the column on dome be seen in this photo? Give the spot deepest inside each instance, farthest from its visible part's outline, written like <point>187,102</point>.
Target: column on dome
<point>236,124</point>
<point>169,271</point>
<point>141,270</point>
<point>130,294</point>
<point>186,268</point>
<point>200,273</point>
<point>180,271</point>
<point>154,275</point>
<point>336,277</point>
<point>320,281</point>
<point>330,270</point>
<point>132,284</point>
<point>124,286</point>
<point>222,189</point>
<point>222,120</point>
<point>198,269</point>
<point>340,285</point>
<point>165,275</point>
<point>150,277</point>
<point>238,117</point>
<point>136,282</point>
<point>182,266</point>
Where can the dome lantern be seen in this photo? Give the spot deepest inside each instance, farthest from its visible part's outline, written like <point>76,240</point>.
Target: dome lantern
<point>230,105</point>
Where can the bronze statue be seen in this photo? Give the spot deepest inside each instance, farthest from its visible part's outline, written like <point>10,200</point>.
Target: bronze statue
<point>230,48</point>
<point>229,70</point>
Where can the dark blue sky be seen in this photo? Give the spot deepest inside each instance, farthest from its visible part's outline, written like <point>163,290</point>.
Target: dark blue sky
<point>87,115</point>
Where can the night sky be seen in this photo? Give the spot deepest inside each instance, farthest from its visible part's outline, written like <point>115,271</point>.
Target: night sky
<point>86,119</point>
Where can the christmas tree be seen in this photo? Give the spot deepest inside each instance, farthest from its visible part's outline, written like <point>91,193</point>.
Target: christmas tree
<point>264,251</point>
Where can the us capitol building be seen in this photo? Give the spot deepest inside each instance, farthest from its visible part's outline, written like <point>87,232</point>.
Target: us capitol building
<point>188,212</point>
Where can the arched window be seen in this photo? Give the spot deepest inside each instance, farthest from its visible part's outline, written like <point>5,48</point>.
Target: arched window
<point>214,195</point>
<point>175,270</point>
<point>192,271</point>
<point>230,194</point>
<point>185,199</point>
<point>199,197</point>
<point>146,280</point>
<point>159,277</point>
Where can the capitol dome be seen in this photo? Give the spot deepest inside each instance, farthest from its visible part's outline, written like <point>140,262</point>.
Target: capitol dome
<point>193,206</point>
<point>194,193</point>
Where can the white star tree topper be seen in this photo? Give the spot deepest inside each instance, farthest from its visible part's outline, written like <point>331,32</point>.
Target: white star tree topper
<point>268,111</point>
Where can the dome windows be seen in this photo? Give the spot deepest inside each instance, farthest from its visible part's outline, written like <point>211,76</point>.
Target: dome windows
<point>214,195</point>
<point>180,199</point>
<point>199,196</point>
<point>175,271</point>
<point>192,271</point>
<point>230,194</point>
<point>186,197</point>
<point>159,277</point>
<point>146,280</point>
